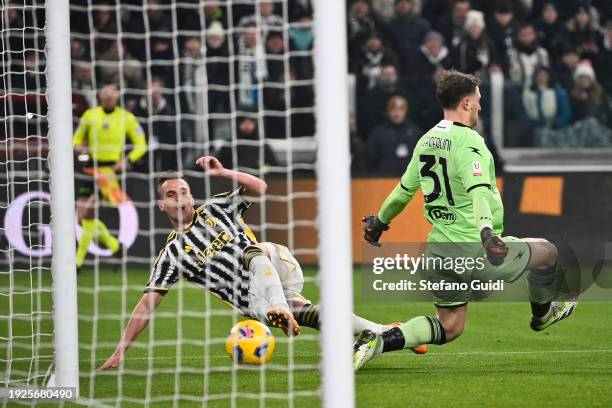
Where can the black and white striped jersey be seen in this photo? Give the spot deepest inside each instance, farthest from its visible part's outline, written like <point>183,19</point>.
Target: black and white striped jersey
<point>210,252</point>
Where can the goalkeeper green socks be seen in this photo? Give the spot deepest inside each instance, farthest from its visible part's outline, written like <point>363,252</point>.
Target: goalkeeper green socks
<point>94,228</point>
<point>413,333</point>
<point>542,289</point>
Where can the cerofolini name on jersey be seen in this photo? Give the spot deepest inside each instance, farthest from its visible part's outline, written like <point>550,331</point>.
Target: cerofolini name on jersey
<point>209,253</point>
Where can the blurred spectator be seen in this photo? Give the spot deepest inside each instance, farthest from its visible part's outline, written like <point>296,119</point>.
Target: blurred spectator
<point>584,33</point>
<point>192,18</point>
<point>213,11</point>
<point>104,28</point>
<point>433,9</point>
<point>12,38</point>
<point>275,51</point>
<point>368,63</point>
<point>302,69</point>
<point>546,103</point>
<point>588,98</point>
<point>552,33</point>
<point>301,34</point>
<point>267,19</point>
<point>520,8</point>
<point>78,50</point>
<point>248,152</point>
<point>603,62</point>
<point>372,106</point>
<point>192,58</point>
<point>502,29</point>
<point>274,97</point>
<point>117,61</point>
<point>432,54</point>
<point>525,56</point>
<point>384,10</point>
<point>211,75</point>
<point>452,26</point>
<point>251,66</point>
<point>565,8</point>
<point>301,39</point>
<point>32,76</point>
<point>476,53</point>
<point>564,74</point>
<point>361,25</point>
<point>407,29</point>
<point>157,117</point>
<point>299,8</point>
<point>83,89</point>
<point>217,69</point>
<point>390,145</point>
<point>426,109</point>
<point>161,30</point>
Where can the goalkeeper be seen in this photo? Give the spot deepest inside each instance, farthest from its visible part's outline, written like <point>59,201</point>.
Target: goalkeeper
<point>455,170</point>
<point>99,142</point>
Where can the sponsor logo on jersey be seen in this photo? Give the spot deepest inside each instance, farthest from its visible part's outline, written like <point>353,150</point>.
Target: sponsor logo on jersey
<point>476,168</point>
<point>475,150</point>
<point>188,249</point>
<point>216,246</point>
<point>443,215</point>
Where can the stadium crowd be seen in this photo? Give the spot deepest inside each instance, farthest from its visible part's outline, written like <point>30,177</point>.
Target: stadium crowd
<point>555,57</point>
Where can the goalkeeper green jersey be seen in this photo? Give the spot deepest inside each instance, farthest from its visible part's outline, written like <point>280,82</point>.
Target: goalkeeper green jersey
<point>106,134</point>
<point>449,161</point>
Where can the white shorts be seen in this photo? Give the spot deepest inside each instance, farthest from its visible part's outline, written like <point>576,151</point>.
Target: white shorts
<point>288,268</point>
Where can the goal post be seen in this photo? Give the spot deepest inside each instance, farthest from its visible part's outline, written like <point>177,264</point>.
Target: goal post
<point>333,168</point>
<point>238,79</point>
<point>61,185</point>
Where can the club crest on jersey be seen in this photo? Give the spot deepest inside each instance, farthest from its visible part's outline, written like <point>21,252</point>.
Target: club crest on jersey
<point>442,214</point>
<point>476,168</point>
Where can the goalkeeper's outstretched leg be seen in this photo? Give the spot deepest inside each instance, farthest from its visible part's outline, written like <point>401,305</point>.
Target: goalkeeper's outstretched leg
<point>450,319</point>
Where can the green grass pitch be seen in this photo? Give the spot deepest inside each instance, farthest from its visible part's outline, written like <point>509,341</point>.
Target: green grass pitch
<point>498,362</point>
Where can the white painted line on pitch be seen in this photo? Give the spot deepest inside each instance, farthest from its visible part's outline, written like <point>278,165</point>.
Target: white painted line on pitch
<point>496,353</point>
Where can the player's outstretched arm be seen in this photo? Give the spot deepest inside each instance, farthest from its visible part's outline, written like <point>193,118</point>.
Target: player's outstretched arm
<point>254,186</point>
<point>138,321</point>
<point>375,225</point>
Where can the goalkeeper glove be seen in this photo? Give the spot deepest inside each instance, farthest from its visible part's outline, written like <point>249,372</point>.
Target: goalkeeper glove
<point>495,248</point>
<point>373,229</point>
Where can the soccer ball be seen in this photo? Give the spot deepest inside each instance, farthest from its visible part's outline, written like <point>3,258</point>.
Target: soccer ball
<point>250,342</point>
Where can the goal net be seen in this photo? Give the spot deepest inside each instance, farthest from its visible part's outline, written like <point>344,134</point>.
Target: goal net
<point>26,329</point>
<point>233,79</point>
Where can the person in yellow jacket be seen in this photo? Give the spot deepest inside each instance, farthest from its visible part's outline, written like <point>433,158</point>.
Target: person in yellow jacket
<point>100,141</point>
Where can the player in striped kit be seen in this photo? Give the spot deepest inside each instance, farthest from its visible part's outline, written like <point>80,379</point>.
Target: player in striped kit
<point>212,247</point>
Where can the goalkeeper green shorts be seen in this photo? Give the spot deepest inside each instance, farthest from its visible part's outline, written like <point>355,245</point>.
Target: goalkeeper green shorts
<point>455,285</point>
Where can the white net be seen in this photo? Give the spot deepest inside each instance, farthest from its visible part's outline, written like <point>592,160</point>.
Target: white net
<point>229,78</point>
<point>25,284</point>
